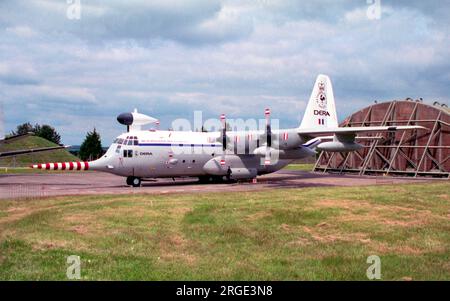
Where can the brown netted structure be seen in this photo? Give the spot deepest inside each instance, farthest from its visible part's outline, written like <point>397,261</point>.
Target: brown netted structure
<point>406,153</point>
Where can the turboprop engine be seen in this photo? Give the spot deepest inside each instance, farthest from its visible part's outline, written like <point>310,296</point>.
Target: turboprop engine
<point>134,121</point>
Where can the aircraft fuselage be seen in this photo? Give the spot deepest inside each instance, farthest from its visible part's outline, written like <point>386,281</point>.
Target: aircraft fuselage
<point>157,154</point>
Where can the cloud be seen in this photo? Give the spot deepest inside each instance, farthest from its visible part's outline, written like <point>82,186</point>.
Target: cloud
<point>136,19</point>
<point>22,31</point>
<point>18,73</point>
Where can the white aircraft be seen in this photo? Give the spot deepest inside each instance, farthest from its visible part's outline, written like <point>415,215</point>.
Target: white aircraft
<point>226,155</point>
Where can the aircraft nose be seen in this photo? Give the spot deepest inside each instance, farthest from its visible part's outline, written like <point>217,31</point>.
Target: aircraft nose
<point>125,118</point>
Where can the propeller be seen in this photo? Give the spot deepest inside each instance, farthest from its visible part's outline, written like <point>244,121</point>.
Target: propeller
<point>268,137</point>
<point>224,138</point>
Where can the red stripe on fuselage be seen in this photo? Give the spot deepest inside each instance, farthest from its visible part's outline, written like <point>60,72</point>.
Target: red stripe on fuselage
<point>70,165</point>
<point>78,165</point>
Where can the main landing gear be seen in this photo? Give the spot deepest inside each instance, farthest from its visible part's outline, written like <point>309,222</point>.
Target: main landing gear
<point>215,180</point>
<point>133,181</point>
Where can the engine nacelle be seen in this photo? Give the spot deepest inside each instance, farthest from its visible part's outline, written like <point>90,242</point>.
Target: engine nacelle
<point>261,151</point>
<point>339,146</point>
<point>134,121</point>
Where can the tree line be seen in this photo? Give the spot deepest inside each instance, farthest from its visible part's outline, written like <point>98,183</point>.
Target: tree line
<point>45,131</point>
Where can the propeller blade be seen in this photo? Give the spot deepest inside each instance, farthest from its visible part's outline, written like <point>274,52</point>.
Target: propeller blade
<point>268,137</point>
<point>224,138</point>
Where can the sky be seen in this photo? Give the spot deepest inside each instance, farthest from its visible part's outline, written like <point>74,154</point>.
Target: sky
<point>77,64</point>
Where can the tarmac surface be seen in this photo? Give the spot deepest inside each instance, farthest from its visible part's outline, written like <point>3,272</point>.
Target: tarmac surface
<point>85,183</point>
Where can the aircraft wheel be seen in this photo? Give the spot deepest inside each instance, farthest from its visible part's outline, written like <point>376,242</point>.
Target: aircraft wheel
<point>136,182</point>
<point>129,181</point>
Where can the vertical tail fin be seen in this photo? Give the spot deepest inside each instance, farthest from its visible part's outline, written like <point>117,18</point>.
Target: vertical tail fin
<point>321,109</point>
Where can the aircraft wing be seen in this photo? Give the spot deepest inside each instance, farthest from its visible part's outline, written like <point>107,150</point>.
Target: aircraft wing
<point>358,129</point>
<point>27,151</point>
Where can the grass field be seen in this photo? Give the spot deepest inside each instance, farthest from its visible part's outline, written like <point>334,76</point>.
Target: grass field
<point>290,234</point>
<point>302,167</point>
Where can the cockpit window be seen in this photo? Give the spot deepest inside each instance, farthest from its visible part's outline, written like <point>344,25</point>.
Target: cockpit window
<point>131,140</point>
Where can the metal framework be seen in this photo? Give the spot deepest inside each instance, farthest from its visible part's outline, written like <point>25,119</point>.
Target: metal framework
<point>407,153</point>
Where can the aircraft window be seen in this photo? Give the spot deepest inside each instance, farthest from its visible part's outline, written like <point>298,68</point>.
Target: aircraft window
<point>135,142</point>
<point>125,153</point>
<point>184,161</point>
<point>130,153</point>
<point>193,161</point>
<point>118,149</point>
<point>119,141</point>
<point>130,142</point>
<point>125,142</point>
<point>115,140</point>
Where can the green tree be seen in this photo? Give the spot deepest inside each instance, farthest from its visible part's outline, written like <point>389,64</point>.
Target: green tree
<point>23,129</point>
<point>47,132</point>
<point>91,148</point>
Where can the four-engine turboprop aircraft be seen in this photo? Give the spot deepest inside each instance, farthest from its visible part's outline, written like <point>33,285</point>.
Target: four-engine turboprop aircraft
<point>139,154</point>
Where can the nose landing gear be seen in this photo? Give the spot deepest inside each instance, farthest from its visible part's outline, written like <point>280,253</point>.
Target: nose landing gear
<point>133,181</point>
